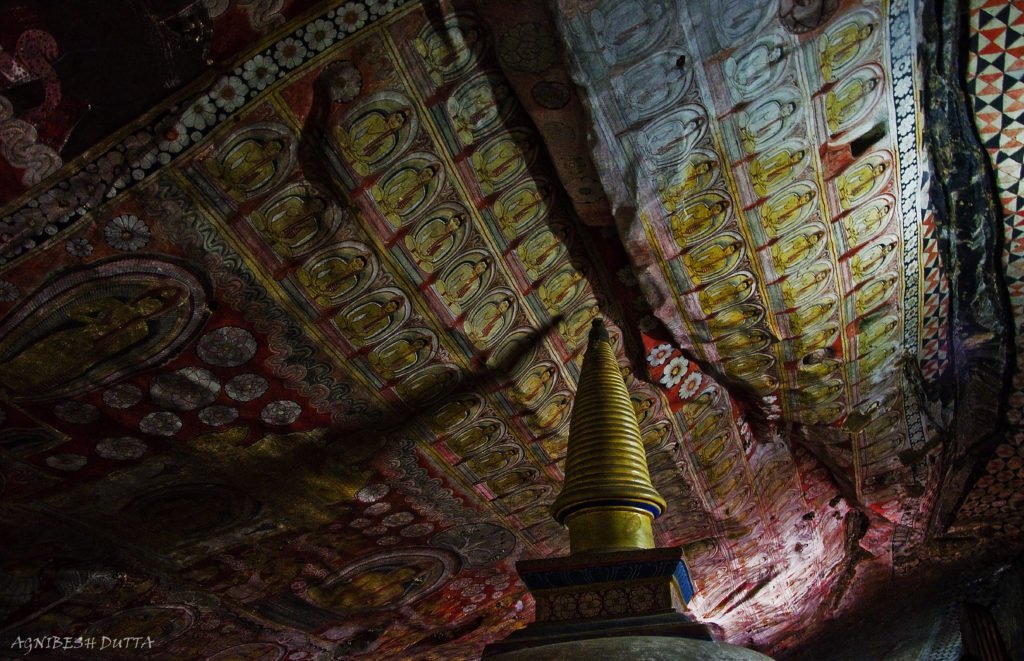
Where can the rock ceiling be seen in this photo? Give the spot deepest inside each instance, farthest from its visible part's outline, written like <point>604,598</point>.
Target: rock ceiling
<point>286,363</point>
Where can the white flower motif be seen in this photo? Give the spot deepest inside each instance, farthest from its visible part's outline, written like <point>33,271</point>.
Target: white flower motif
<point>112,168</point>
<point>690,385</point>
<point>8,291</point>
<point>78,247</point>
<point>160,423</point>
<point>372,493</point>
<point>174,139</point>
<point>121,449</point>
<point>659,354</point>
<point>66,462</point>
<point>290,52</point>
<point>397,519</point>
<point>674,371</point>
<point>218,416</point>
<point>185,390</point>
<point>417,530</point>
<point>281,412</point>
<point>127,233</point>
<point>380,7</point>
<point>201,114</point>
<point>346,81</point>
<point>56,205</point>
<point>743,427</point>
<point>351,17</point>
<point>229,93</point>
<point>246,387</point>
<point>122,396</point>
<point>259,72</point>
<point>228,346</point>
<point>321,34</point>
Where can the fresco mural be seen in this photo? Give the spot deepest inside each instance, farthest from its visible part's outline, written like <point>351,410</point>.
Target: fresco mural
<point>339,284</point>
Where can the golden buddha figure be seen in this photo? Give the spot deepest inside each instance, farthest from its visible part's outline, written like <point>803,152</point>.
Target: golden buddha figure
<point>534,386</point>
<point>577,323</point>
<point>551,413</point>
<point>847,101</point>
<point>710,259</point>
<point>463,282</point>
<point>455,412</point>
<point>372,136</point>
<point>816,371</point>
<point>748,365</point>
<point>522,206</point>
<point>331,278</point>
<point>493,461</point>
<point>248,165</point>
<point>542,249</point>
<point>435,238</point>
<point>699,405</point>
<point>870,259</point>
<point>793,251</point>
<point>369,319</point>
<point>511,481</point>
<point>685,182</point>
<point>873,360</point>
<point>372,589</point>
<point>475,438</point>
<point>821,393</point>
<point>734,318</point>
<point>479,106</point>
<point>698,219</point>
<point>859,180</point>
<point>502,160</point>
<point>561,289</point>
<point>874,293</point>
<point>292,224</point>
<point>707,424</point>
<point>837,48</point>
<point>806,317</point>
<point>864,222</point>
<point>725,293</point>
<point>743,341</point>
<point>817,338</point>
<point>399,356</point>
<point>760,125</point>
<point>404,191</point>
<point>489,320</point>
<point>804,284</point>
<point>772,170</point>
<point>873,331</point>
<point>643,407</point>
<point>781,212</point>
<point>101,329</point>
<point>445,54</point>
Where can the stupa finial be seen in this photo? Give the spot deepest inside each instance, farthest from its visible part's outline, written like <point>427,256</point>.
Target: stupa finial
<point>608,501</point>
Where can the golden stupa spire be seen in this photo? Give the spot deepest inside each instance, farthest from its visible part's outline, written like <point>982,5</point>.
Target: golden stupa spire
<point>608,501</point>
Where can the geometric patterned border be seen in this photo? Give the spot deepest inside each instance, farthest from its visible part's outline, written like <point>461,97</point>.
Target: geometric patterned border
<point>903,31</point>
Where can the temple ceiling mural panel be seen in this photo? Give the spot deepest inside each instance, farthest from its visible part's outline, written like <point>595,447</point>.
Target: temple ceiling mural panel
<point>288,352</point>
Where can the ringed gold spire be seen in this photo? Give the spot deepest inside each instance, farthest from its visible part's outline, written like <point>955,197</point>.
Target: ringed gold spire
<point>608,501</point>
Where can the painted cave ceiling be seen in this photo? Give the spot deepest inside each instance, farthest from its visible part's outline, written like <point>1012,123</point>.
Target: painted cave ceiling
<point>293,296</point>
